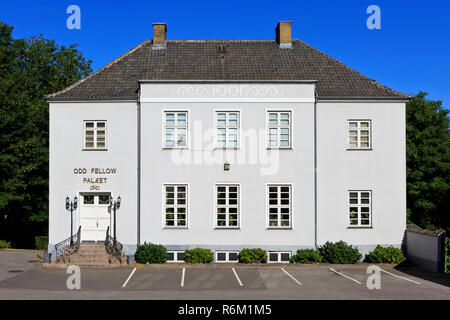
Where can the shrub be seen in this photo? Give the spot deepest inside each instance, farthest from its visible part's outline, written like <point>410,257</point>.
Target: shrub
<point>151,253</point>
<point>5,244</point>
<point>198,255</point>
<point>253,255</point>
<point>339,252</point>
<point>307,256</point>
<point>386,255</point>
<point>41,242</point>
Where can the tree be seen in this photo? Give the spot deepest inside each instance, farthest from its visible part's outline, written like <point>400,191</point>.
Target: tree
<point>29,70</point>
<point>428,162</point>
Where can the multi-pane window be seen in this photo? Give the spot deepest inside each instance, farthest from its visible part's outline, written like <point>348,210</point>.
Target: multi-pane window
<point>175,129</point>
<point>279,206</point>
<point>227,129</point>
<point>95,134</point>
<point>175,205</point>
<point>227,256</point>
<point>279,257</point>
<point>279,129</point>
<point>360,208</point>
<point>359,134</point>
<point>227,206</point>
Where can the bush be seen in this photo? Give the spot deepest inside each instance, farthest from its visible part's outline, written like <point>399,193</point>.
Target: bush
<point>41,242</point>
<point>5,244</point>
<point>151,253</point>
<point>198,255</point>
<point>386,255</point>
<point>253,255</point>
<point>307,256</point>
<point>339,252</point>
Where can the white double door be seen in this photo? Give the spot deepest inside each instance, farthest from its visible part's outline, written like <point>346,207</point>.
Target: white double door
<point>94,216</point>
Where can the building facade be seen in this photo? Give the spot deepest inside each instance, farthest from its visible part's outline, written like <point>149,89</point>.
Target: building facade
<point>229,144</point>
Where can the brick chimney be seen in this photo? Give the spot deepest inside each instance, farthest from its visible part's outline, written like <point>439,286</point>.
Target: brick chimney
<point>159,35</point>
<point>284,34</point>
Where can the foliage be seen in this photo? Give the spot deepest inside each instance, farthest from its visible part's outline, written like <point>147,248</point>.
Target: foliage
<point>253,255</point>
<point>428,163</point>
<point>41,242</point>
<point>29,69</point>
<point>307,256</point>
<point>386,255</point>
<point>339,252</point>
<point>5,244</point>
<point>198,255</point>
<point>151,253</point>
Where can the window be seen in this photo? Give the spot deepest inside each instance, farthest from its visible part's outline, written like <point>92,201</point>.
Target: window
<point>227,256</point>
<point>227,129</point>
<point>360,208</point>
<point>279,129</point>
<point>359,134</point>
<point>227,206</point>
<point>88,199</point>
<point>175,256</point>
<point>95,134</point>
<point>279,206</point>
<point>175,129</point>
<point>175,205</point>
<point>279,257</point>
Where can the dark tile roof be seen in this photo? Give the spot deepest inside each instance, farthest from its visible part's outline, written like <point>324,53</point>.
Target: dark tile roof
<point>242,60</point>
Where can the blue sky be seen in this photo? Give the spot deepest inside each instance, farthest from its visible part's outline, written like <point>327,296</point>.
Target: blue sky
<point>411,52</point>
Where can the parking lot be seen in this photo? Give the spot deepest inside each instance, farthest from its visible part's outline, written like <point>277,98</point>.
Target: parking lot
<point>220,281</point>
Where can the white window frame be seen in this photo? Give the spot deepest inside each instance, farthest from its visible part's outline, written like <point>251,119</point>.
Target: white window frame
<point>94,129</point>
<point>279,256</point>
<point>175,256</point>
<point>227,206</point>
<point>279,206</point>
<point>227,128</point>
<point>358,130</point>
<point>175,127</point>
<point>227,256</point>
<point>359,205</point>
<point>278,127</point>
<point>175,206</point>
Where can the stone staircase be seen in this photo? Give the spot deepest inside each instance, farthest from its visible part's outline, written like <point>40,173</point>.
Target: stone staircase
<point>94,255</point>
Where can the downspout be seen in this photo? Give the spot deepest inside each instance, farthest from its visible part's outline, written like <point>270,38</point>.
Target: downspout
<point>315,168</point>
<point>139,168</point>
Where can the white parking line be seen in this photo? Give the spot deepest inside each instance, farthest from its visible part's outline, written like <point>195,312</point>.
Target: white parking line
<point>237,277</point>
<point>298,282</point>
<point>182,277</point>
<point>345,276</point>
<point>400,277</point>
<point>129,277</point>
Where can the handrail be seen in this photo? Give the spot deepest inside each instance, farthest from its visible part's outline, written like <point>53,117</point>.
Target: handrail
<point>68,246</point>
<point>113,247</point>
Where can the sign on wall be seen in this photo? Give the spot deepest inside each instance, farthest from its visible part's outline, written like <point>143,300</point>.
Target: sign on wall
<point>95,177</point>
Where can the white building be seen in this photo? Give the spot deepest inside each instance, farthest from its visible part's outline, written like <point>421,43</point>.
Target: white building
<point>228,144</point>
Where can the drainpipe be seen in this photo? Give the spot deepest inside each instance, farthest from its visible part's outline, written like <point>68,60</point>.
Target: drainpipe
<point>139,168</point>
<point>315,168</point>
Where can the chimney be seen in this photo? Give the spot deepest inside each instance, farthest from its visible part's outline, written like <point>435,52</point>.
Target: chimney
<point>159,35</point>
<point>284,34</point>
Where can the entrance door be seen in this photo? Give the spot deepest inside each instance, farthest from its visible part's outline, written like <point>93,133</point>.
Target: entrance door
<point>94,216</point>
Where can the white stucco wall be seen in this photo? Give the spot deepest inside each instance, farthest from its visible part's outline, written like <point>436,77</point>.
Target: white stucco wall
<point>66,154</point>
<point>294,166</point>
<point>382,170</point>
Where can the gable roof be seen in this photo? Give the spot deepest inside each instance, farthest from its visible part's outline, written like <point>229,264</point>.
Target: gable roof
<point>242,60</point>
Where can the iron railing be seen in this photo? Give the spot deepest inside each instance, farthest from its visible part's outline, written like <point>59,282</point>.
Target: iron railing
<point>69,246</point>
<point>113,247</point>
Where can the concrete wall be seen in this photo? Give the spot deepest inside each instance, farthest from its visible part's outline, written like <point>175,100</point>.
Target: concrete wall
<point>426,250</point>
<point>381,170</point>
<point>66,154</point>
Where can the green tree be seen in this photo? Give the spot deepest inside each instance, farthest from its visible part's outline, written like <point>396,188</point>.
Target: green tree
<point>29,70</point>
<point>428,162</point>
